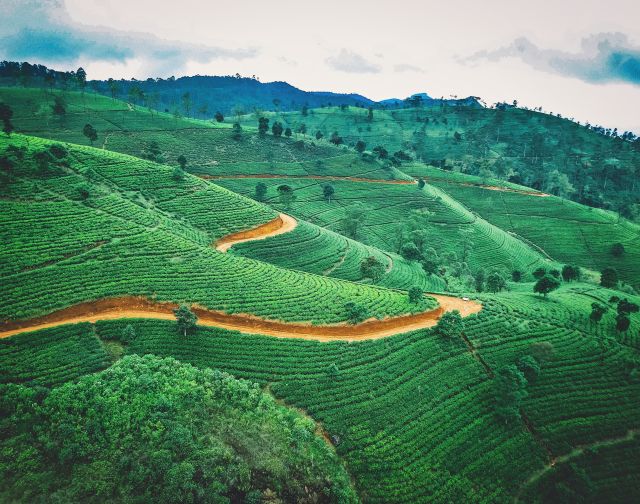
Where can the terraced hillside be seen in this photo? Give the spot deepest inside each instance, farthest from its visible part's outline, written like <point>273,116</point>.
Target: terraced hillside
<point>104,225</point>
<point>413,416</point>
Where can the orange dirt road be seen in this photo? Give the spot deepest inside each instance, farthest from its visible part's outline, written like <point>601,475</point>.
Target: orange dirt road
<point>312,177</point>
<point>281,224</point>
<point>136,307</point>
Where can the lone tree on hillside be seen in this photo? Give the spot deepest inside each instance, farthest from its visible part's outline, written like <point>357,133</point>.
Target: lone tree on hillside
<point>530,367</point>
<point>81,78</point>
<point>286,195</point>
<point>360,146</point>
<point>261,191</point>
<point>410,252</point>
<point>570,273</point>
<point>288,132</point>
<point>186,319</point>
<point>237,131</point>
<point>381,152</point>
<point>609,277</point>
<point>354,219</point>
<point>263,125</point>
<point>372,268</point>
<point>617,250</point>
<point>450,325</point>
<point>496,282</point>
<point>178,174</point>
<point>5,116</point>
<point>59,107</point>
<point>415,295</point>
<point>539,273</point>
<point>335,138</point>
<point>219,117</point>
<point>546,284</point>
<point>90,132</point>
<point>516,275</point>
<point>597,312</point>
<point>510,388</point>
<point>43,159</point>
<point>277,129</point>
<point>328,191</point>
<point>319,135</point>
<point>182,161</point>
<point>421,183</point>
<point>356,313</point>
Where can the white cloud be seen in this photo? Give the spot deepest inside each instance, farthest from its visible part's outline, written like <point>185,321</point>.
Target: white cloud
<point>351,62</point>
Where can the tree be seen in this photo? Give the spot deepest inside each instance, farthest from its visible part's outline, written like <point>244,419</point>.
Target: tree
<point>495,282</point>
<point>370,114</point>
<point>411,252</point>
<point>286,195</point>
<point>570,273</point>
<point>5,116</point>
<point>182,161</point>
<point>510,388</point>
<point>450,325</point>
<point>59,107</point>
<point>186,319</point>
<point>609,278</point>
<point>277,129</point>
<point>597,312</point>
<point>335,138</point>
<point>372,268</point>
<point>622,322</point>
<point>415,295</point>
<point>328,191</point>
<point>516,275</point>
<point>43,159</point>
<point>542,351</point>
<point>263,125</point>
<point>479,279</point>
<point>305,111</point>
<point>617,250</point>
<point>539,273</point>
<point>178,174</point>
<point>319,135</point>
<point>360,146</point>
<point>381,152</point>
<point>430,266</point>
<point>288,132</point>
<point>356,313</point>
<point>421,183</point>
<point>128,334</point>
<point>302,129</point>
<point>113,88</point>
<point>546,284</point>
<point>530,367</point>
<point>354,219</point>
<point>84,191</point>
<point>90,132</point>
<point>152,152</point>
<point>186,104</point>
<point>219,117</point>
<point>81,78</point>
<point>457,136</point>
<point>237,131</point>
<point>261,191</point>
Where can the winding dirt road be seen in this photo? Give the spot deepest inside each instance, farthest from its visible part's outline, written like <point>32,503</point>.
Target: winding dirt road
<point>136,307</point>
<point>281,224</point>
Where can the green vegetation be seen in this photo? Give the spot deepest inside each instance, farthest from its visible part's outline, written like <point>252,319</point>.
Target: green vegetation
<point>151,429</point>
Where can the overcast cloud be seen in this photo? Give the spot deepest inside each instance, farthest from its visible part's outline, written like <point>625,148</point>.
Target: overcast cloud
<point>580,58</point>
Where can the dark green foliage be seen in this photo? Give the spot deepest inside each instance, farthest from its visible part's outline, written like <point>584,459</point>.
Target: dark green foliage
<point>277,129</point>
<point>510,388</point>
<point>128,334</point>
<point>597,312</point>
<point>90,132</point>
<point>546,284</point>
<point>372,268</point>
<point>219,117</point>
<point>319,135</point>
<point>429,266</point>
<point>288,132</point>
<point>381,152</point>
<point>84,191</point>
<point>542,351</point>
<point>356,313</point>
<point>155,430</point>
<point>360,146</point>
<point>354,219</point>
<point>59,106</point>
<point>286,195</point>
<point>421,183</point>
<point>43,161</point>
<point>570,273</point>
<point>178,174</point>
<point>5,116</point>
<point>496,282</point>
<point>261,191</point>
<point>609,277</point>
<point>450,325</point>
<point>263,125</point>
<point>58,151</point>
<point>479,279</point>
<point>530,367</point>
<point>539,273</point>
<point>237,131</point>
<point>617,250</point>
<point>516,276</point>
<point>186,319</point>
<point>622,322</point>
<point>182,161</point>
<point>335,138</point>
<point>410,252</point>
<point>327,192</point>
<point>415,295</point>
<point>152,152</point>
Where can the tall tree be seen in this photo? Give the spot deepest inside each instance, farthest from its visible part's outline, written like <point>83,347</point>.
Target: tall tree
<point>90,132</point>
<point>186,319</point>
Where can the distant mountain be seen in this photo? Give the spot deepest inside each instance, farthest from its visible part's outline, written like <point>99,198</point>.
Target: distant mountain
<point>423,99</point>
<point>207,95</point>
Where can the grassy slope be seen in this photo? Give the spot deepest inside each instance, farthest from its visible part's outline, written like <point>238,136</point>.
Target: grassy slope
<point>413,415</point>
<point>137,232</point>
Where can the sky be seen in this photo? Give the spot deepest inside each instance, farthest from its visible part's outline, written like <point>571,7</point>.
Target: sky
<point>577,58</point>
